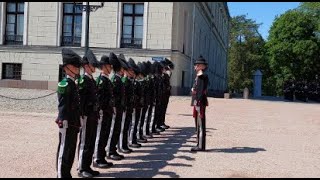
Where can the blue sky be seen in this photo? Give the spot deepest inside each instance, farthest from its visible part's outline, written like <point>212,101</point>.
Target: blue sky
<point>261,12</point>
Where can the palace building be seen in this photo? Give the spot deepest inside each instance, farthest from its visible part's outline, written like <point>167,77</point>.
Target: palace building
<point>33,34</point>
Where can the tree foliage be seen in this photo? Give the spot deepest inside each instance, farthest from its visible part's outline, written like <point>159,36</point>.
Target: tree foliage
<point>293,48</point>
<point>313,11</point>
<point>246,53</point>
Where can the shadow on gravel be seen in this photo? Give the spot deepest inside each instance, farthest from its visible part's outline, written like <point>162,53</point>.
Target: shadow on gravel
<point>237,150</point>
<point>157,158</point>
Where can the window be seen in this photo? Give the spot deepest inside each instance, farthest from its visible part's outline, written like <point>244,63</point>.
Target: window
<point>72,24</point>
<point>11,71</point>
<point>14,23</point>
<point>132,25</point>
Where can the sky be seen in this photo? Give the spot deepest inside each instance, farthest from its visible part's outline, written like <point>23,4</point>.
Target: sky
<point>261,12</point>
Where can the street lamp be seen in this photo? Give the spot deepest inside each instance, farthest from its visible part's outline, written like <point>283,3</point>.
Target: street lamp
<point>88,8</point>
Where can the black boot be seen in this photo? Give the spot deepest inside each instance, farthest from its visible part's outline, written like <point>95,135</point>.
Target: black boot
<point>102,164</point>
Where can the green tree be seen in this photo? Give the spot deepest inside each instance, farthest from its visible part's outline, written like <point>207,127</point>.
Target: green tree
<point>293,48</point>
<point>313,10</point>
<point>246,53</point>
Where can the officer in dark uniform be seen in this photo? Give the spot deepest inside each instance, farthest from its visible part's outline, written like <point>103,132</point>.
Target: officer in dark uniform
<point>138,103</point>
<point>68,119</point>
<point>199,102</point>
<point>89,115</point>
<point>128,81</point>
<point>119,104</point>
<point>106,110</point>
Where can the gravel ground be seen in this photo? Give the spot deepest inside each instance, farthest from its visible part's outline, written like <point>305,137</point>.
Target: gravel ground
<point>47,104</point>
<point>245,138</point>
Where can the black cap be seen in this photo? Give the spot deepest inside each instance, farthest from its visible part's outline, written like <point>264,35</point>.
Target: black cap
<point>152,68</point>
<point>124,64</point>
<point>123,61</point>
<point>142,68</point>
<point>114,61</point>
<point>146,68</point>
<point>104,60</point>
<point>149,67</point>
<point>133,66</point>
<point>157,67</point>
<point>200,60</point>
<point>70,57</point>
<point>169,63</point>
<point>90,58</point>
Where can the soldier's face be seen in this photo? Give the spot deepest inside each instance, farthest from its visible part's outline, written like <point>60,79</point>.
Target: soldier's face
<point>199,67</point>
<point>89,69</point>
<point>72,70</point>
<point>131,73</point>
<point>106,69</point>
<point>109,68</point>
<point>121,72</point>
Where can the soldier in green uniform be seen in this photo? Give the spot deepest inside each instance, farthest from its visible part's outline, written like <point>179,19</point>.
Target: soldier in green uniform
<point>144,103</point>
<point>89,115</point>
<point>128,80</point>
<point>119,104</point>
<point>106,111</point>
<point>150,100</point>
<point>166,74</point>
<point>68,119</point>
<point>138,104</point>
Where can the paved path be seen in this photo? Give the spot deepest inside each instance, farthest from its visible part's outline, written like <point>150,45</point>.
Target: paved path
<point>245,138</point>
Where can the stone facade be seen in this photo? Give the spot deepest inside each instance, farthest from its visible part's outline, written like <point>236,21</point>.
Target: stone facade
<point>180,31</point>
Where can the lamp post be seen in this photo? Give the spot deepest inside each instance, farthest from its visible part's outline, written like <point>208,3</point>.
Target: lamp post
<point>88,8</point>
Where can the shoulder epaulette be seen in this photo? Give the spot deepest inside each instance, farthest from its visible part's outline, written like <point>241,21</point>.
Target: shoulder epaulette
<point>62,86</point>
<point>80,82</point>
<point>99,81</point>
<point>124,79</point>
<point>113,78</point>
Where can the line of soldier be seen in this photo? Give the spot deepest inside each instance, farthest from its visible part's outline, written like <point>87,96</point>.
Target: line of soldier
<point>302,90</point>
<point>112,115</point>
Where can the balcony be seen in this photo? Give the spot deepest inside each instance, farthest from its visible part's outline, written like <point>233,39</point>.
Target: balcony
<point>131,43</point>
<point>14,39</point>
<point>70,41</point>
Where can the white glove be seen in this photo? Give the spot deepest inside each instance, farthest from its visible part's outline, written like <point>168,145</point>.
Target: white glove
<point>65,124</point>
<point>195,102</point>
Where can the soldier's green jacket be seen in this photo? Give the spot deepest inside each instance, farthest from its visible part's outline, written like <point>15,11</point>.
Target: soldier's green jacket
<point>68,102</point>
<point>105,93</point>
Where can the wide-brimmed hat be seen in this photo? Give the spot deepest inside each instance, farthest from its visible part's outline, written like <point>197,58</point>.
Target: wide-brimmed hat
<point>200,60</point>
<point>90,58</point>
<point>169,63</point>
<point>157,67</point>
<point>133,66</point>
<point>123,61</point>
<point>114,61</point>
<point>70,57</point>
<point>149,67</point>
<point>142,68</point>
<point>104,60</point>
